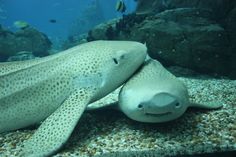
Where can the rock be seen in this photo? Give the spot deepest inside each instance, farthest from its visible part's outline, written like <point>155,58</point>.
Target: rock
<point>21,56</point>
<point>192,41</point>
<point>150,6</point>
<point>102,31</point>
<point>230,24</point>
<point>26,55</point>
<point>186,37</point>
<point>7,43</point>
<point>3,58</point>
<point>28,39</point>
<point>34,41</point>
<point>116,29</point>
<point>73,41</point>
<point>182,72</point>
<point>220,8</point>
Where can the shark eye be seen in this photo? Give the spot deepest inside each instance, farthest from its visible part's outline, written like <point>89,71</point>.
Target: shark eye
<point>177,105</point>
<point>115,61</point>
<point>140,106</point>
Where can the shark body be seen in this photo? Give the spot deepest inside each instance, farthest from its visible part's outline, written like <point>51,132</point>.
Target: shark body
<point>57,89</point>
<point>154,95</point>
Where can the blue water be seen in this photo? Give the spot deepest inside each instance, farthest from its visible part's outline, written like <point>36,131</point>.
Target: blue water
<point>38,13</point>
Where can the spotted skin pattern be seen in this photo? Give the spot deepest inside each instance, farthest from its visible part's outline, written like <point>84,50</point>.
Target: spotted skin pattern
<point>57,89</point>
<point>154,95</point>
<point>67,114</point>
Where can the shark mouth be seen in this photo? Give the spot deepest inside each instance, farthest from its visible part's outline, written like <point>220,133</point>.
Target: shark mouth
<point>158,114</point>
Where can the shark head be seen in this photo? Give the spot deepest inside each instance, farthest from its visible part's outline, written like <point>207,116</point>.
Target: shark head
<point>162,107</point>
<point>153,95</point>
<point>155,107</point>
<point>115,62</point>
<point>59,87</point>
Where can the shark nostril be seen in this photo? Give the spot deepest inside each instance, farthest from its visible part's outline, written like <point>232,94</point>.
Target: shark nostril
<point>115,61</point>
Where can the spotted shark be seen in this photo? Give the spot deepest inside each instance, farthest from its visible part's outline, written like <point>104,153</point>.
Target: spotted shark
<point>55,90</point>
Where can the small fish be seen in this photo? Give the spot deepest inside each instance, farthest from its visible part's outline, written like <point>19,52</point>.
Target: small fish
<point>120,6</point>
<point>21,24</point>
<point>52,21</point>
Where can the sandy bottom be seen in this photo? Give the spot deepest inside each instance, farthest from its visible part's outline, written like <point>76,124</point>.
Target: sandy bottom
<point>111,133</point>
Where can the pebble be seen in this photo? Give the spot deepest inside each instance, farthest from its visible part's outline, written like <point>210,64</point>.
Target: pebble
<point>197,131</point>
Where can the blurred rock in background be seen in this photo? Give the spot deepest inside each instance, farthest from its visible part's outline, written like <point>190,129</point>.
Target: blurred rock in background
<point>28,39</point>
<point>199,35</point>
<point>21,56</point>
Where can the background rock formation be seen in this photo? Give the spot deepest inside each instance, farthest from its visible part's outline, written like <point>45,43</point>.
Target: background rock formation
<point>28,39</point>
<point>199,35</point>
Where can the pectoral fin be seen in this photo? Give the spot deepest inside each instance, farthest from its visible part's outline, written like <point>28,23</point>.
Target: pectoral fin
<point>57,128</point>
<point>100,106</point>
<point>208,105</point>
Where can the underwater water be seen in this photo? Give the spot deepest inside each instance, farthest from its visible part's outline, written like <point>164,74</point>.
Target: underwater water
<point>71,18</point>
<point>117,78</point>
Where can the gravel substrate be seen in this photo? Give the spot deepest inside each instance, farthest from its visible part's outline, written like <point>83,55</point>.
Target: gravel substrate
<point>110,133</point>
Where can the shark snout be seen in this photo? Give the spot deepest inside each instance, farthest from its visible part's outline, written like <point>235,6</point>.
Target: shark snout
<point>139,49</point>
<point>160,104</point>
